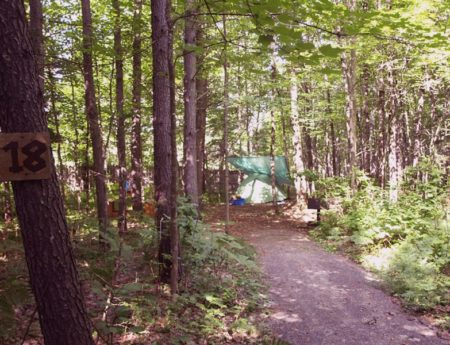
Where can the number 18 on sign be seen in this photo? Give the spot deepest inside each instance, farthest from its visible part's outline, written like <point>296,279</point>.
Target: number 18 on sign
<point>24,156</point>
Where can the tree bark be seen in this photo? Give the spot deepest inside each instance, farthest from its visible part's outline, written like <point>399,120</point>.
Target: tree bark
<point>349,73</point>
<point>366,146</point>
<point>136,140</point>
<point>381,148</point>
<point>300,180</point>
<point>202,106</point>
<point>394,157</point>
<point>334,156</point>
<point>121,151</point>
<point>190,104</point>
<point>201,84</point>
<point>93,119</point>
<point>248,117</point>
<point>162,132</point>
<point>39,205</point>
<point>175,248</point>
<point>272,141</point>
<point>87,171</point>
<point>417,129</point>
<point>37,42</point>
<point>285,139</point>
<point>332,150</point>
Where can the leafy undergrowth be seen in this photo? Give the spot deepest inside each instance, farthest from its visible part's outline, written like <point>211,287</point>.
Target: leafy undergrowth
<point>406,243</point>
<point>221,298</point>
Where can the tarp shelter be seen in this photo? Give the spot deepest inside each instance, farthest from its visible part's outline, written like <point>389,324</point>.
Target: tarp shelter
<point>257,187</point>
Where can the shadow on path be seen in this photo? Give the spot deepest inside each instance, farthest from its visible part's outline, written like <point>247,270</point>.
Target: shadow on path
<point>319,298</point>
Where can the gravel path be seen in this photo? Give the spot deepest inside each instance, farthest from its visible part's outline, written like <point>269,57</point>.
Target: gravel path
<point>319,298</point>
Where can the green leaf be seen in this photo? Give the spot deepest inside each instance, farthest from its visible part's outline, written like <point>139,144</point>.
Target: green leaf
<point>265,40</point>
<point>329,50</point>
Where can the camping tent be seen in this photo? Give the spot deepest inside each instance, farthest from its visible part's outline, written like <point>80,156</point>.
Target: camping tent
<point>257,187</point>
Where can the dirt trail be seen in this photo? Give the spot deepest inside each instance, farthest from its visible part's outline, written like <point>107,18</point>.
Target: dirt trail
<point>319,298</point>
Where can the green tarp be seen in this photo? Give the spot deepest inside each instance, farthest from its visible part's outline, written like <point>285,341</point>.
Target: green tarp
<point>257,187</point>
<point>261,166</point>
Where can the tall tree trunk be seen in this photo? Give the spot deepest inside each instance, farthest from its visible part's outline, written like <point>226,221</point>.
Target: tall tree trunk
<point>58,134</point>
<point>175,248</point>
<point>225,123</point>
<point>202,106</point>
<point>334,156</point>
<point>190,104</point>
<point>37,42</point>
<point>272,140</point>
<point>394,178</point>
<point>327,159</point>
<point>285,139</point>
<point>365,122</point>
<point>162,132</point>
<point>349,72</point>
<point>309,149</point>
<point>112,118</point>
<point>39,205</point>
<point>87,171</point>
<point>394,158</point>
<point>381,148</point>
<point>93,119</point>
<point>76,150</point>
<point>348,61</point>
<point>435,123</point>
<point>201,85</point>
<point>331,147</point>
<point>248,118</point>
<point>300,180</point>
<point>417,130</point>
<point>136,141</point>
<point>121,150</point>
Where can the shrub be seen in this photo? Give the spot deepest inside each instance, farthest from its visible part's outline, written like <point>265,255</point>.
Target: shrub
<point>407,242</point>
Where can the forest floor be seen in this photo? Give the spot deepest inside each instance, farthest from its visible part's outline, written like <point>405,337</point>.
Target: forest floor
<point>317,297</point>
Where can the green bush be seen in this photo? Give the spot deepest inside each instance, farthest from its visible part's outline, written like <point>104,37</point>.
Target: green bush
<point>407,242</point>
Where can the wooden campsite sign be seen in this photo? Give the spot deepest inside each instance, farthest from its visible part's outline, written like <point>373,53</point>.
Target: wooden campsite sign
<point>24,156</point>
